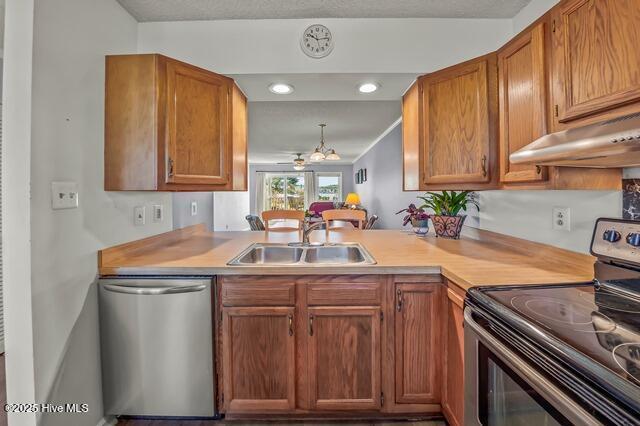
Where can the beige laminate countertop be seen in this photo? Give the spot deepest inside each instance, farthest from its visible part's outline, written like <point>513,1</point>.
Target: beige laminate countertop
<point>478,258</point>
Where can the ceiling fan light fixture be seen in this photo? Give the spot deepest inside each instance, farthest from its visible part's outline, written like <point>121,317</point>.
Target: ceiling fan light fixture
<point>332,156</point>
<point>298,163</point>
<point>281,88</point>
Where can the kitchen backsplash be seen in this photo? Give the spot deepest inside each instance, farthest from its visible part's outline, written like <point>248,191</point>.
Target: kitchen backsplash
<point>631,199</point>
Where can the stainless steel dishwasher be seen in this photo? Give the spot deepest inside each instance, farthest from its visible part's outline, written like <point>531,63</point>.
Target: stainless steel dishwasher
<point>157,347</point>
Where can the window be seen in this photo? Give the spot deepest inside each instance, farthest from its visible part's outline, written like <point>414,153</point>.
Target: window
<point>329,186</point>
<point>285,191</point>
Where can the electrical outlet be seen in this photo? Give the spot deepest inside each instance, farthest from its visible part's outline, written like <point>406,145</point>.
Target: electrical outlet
<point>64,195</point>
<point>158,213</point>
<point>138,215</point>
<point>194,208</point>
<point>562,218</point>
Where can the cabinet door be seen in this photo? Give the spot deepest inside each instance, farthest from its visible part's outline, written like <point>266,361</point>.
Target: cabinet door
<point>596,56</point>
<point>344,358</point>
<point>198,126</point>
<point>258,352</point>
<point>453,381</point>
<point>456,134</point>
<point>417,343</point>
<point>522,91</point>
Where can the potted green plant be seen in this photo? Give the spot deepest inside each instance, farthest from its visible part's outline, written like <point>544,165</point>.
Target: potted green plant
<point>418,217</point>
<point>446,207</point>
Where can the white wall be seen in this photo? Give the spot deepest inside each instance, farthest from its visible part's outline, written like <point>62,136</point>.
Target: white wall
<point>229,211</point>
<point>71,38</point>
<point>528,214</point>
<point>182,216</point>
<point>361,45</point>
<point>16,230</point>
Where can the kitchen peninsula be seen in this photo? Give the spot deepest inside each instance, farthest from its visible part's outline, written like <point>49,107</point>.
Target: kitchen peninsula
<point>376,340</point>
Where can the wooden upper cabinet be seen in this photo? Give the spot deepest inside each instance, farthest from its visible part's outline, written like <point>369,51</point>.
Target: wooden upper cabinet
<point>523,102</point>
<point>171,126</point>
<point>344,358</point>
<point>411,138</point>
<point>258,352</point>
<point>596,59</point>
<point>459,120</point>
<point>198,111</point>
<point>417,343</point>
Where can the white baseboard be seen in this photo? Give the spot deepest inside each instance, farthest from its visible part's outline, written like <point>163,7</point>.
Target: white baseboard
<point>107,421</point>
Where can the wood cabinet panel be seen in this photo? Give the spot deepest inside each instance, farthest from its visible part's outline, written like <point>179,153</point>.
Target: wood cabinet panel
<point>240,139</point>
<point>417,339</point>
<point>523,102</point>
<point>171,126</point>
<point>257,294</point>
<point>198,139</point>
<point>458,110</point>
<point>259,359</point>
<point>411,138</point>
<point>453,380</point>
<point>341,294</point>
<point>344,358</point>
<point>596,59</point>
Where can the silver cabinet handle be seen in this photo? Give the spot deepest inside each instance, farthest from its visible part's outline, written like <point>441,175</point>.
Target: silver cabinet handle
<point>141,290</point>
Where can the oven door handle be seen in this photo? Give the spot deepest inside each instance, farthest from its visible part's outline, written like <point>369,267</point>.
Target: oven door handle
<point>569,408</point>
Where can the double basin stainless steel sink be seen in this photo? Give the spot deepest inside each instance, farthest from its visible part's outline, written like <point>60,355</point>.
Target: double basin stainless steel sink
<point>267,254</point>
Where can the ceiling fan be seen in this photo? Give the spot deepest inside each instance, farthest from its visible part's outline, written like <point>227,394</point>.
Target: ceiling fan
<point>298,162</point>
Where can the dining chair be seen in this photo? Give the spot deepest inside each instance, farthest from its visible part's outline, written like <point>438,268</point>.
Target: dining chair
<point>255,224</point>
<point>287,215</point>
<point>371,222</point>
<point>351,215</point>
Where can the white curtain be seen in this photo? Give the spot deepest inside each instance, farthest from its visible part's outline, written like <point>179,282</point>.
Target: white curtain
<point>309,189</point>
<point>261,188</point>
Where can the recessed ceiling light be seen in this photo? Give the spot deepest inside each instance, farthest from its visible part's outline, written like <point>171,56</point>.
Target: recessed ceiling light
<point>368,87</point>
<point>281,88</point>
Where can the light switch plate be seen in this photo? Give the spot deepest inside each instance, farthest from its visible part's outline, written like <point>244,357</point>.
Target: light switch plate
<point>158,213</point>
<point>138,215</point>
<point>562,218</point>
<point>194,208</point>
<point>64,195</point>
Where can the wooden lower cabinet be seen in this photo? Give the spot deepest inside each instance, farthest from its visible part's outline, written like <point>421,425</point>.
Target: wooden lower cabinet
<point>453,380</point>
<point>336,345</point>
<point>344,358</point>
<point>417,343</point>
<point>258,352</point>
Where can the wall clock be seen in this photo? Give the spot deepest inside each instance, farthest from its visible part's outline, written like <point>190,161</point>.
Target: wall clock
<point>316,41</point>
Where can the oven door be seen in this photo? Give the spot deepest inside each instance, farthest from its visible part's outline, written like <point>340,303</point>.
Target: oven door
<point>503,390</point>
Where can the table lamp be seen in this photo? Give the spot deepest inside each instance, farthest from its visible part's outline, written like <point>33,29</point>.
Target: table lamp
<point>352,200</point>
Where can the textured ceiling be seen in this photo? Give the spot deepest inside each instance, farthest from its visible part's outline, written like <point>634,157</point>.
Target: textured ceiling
<point>194,10</point>
<point>277,130</point>
<point>325,87</point>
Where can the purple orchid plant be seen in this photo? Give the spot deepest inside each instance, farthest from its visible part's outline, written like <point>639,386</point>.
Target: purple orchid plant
<point>413,212</point>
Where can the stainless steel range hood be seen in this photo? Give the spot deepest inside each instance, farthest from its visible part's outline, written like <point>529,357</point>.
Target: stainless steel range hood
<point>614,143</point>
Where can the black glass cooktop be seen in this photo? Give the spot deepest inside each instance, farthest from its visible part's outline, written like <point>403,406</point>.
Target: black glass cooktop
<point>600,323</point>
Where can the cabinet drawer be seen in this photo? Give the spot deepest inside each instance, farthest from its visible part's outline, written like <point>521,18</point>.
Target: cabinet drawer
<point>344,294</point>
<point>258,294</point>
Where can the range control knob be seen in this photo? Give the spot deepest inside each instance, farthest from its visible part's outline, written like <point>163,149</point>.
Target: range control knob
<point>611,235</point>
<point>633,239</point>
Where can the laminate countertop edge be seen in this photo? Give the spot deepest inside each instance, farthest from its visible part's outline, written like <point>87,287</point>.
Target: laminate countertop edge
<point>479,258</point>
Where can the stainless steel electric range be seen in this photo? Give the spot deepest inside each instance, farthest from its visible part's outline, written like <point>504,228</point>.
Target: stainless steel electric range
<point>559,354</point>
